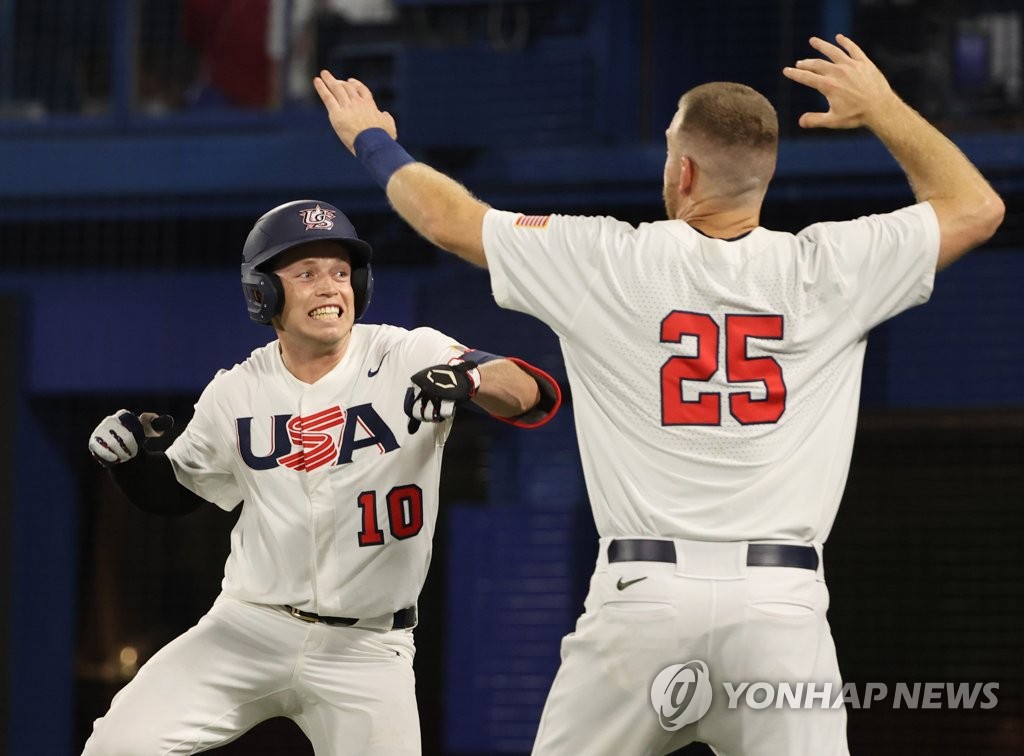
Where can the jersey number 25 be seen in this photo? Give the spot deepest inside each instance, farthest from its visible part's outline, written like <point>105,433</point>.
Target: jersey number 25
<point>706,409</point>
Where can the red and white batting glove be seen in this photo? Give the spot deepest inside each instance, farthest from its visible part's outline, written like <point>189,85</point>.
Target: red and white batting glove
<point>437,391</point>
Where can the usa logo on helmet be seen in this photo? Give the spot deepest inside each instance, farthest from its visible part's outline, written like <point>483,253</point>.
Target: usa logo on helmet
<point>317,217</point>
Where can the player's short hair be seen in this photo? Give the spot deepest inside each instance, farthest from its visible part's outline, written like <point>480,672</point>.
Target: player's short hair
<point>731,115</point>
<point>733,133</point>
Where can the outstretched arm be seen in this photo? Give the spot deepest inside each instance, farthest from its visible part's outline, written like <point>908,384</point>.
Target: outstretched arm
<point>439,208</point>
<point>507,388</point>
<point>968,209</point>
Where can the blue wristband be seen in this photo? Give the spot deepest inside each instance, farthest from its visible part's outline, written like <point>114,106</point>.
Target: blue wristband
<point>381,154</point>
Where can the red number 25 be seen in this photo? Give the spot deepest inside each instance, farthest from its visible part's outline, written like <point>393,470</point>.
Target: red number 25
<point>706,409</point>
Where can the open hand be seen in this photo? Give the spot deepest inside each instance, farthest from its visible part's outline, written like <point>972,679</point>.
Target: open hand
<point>854,87</point>
<point>351,108</point>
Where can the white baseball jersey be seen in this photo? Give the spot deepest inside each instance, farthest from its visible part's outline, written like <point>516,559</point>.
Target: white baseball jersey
<point>333,520</point>
<point>715,383</point>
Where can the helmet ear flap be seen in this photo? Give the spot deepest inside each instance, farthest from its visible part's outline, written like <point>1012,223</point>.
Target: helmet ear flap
<point>362,288</point>
<point>264,295</point>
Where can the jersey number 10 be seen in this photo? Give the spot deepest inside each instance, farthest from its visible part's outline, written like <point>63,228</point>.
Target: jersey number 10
<point>706,409</point>
<point>405,514</point>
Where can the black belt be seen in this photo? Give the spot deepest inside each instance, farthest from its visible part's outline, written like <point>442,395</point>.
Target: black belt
<point>758,554</point>
<point>403,620</point>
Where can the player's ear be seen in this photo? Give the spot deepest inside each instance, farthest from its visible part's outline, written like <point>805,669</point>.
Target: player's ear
<point>687,174</point>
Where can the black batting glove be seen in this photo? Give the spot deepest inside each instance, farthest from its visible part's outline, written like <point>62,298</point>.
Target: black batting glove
<point>437,391</point>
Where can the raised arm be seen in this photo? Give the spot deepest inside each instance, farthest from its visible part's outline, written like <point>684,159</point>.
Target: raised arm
<point>439,208</point>
<point>968,209</point>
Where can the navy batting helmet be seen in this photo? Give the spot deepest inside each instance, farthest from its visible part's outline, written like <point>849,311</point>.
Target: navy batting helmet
<point>288,226</point>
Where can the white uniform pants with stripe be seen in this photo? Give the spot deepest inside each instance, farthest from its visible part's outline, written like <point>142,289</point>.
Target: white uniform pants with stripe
<point>746,624</point>
<point>350,690</point>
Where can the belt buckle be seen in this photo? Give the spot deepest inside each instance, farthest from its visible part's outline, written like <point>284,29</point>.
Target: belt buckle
<point>299,615</point>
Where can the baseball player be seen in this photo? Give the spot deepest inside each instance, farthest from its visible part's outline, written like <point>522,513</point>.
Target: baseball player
<point>317,437</point>
<point>715,367</point>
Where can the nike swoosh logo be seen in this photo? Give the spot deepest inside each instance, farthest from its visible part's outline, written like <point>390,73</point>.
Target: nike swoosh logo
<point>624,584</point>
<point>371,373</point>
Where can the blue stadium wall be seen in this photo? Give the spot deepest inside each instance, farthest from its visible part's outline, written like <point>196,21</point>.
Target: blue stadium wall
<point>512,562</point>
<point>509,563</point>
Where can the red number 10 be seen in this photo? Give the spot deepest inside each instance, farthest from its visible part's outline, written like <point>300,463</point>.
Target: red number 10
<point>706,409</point>
<point>405,514</point>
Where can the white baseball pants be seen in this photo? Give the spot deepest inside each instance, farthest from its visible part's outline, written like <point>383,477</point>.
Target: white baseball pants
<point>351,691</point>
<point>746,624</point>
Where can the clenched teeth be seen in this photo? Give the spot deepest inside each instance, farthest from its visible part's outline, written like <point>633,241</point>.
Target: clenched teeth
<point>326,312</point>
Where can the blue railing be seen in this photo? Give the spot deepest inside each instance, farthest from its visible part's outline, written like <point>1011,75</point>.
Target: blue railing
<point>610,91</point>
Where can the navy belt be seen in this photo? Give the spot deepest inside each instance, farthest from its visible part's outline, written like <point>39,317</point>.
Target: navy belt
<point>758,554</point>
<point>403,620</point>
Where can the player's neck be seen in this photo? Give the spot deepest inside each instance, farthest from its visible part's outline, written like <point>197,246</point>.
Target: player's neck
<point>721,223</point>
<point>722,228</point>
<point>309,363</point>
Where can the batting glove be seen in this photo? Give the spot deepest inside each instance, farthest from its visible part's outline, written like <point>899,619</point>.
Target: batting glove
<point>119,437</point>
<point>437,390</point>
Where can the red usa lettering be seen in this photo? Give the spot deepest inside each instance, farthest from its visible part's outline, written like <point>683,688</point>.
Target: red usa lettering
<point>312,441</point>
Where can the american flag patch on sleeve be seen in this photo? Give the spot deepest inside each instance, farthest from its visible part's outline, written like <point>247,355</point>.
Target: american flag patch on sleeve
<point>532,221</point>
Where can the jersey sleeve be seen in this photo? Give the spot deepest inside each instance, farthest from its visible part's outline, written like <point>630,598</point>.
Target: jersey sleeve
<point>546,265</point>
<point>425,346</point>
<point>199,458</point>
<point>885,264</point>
